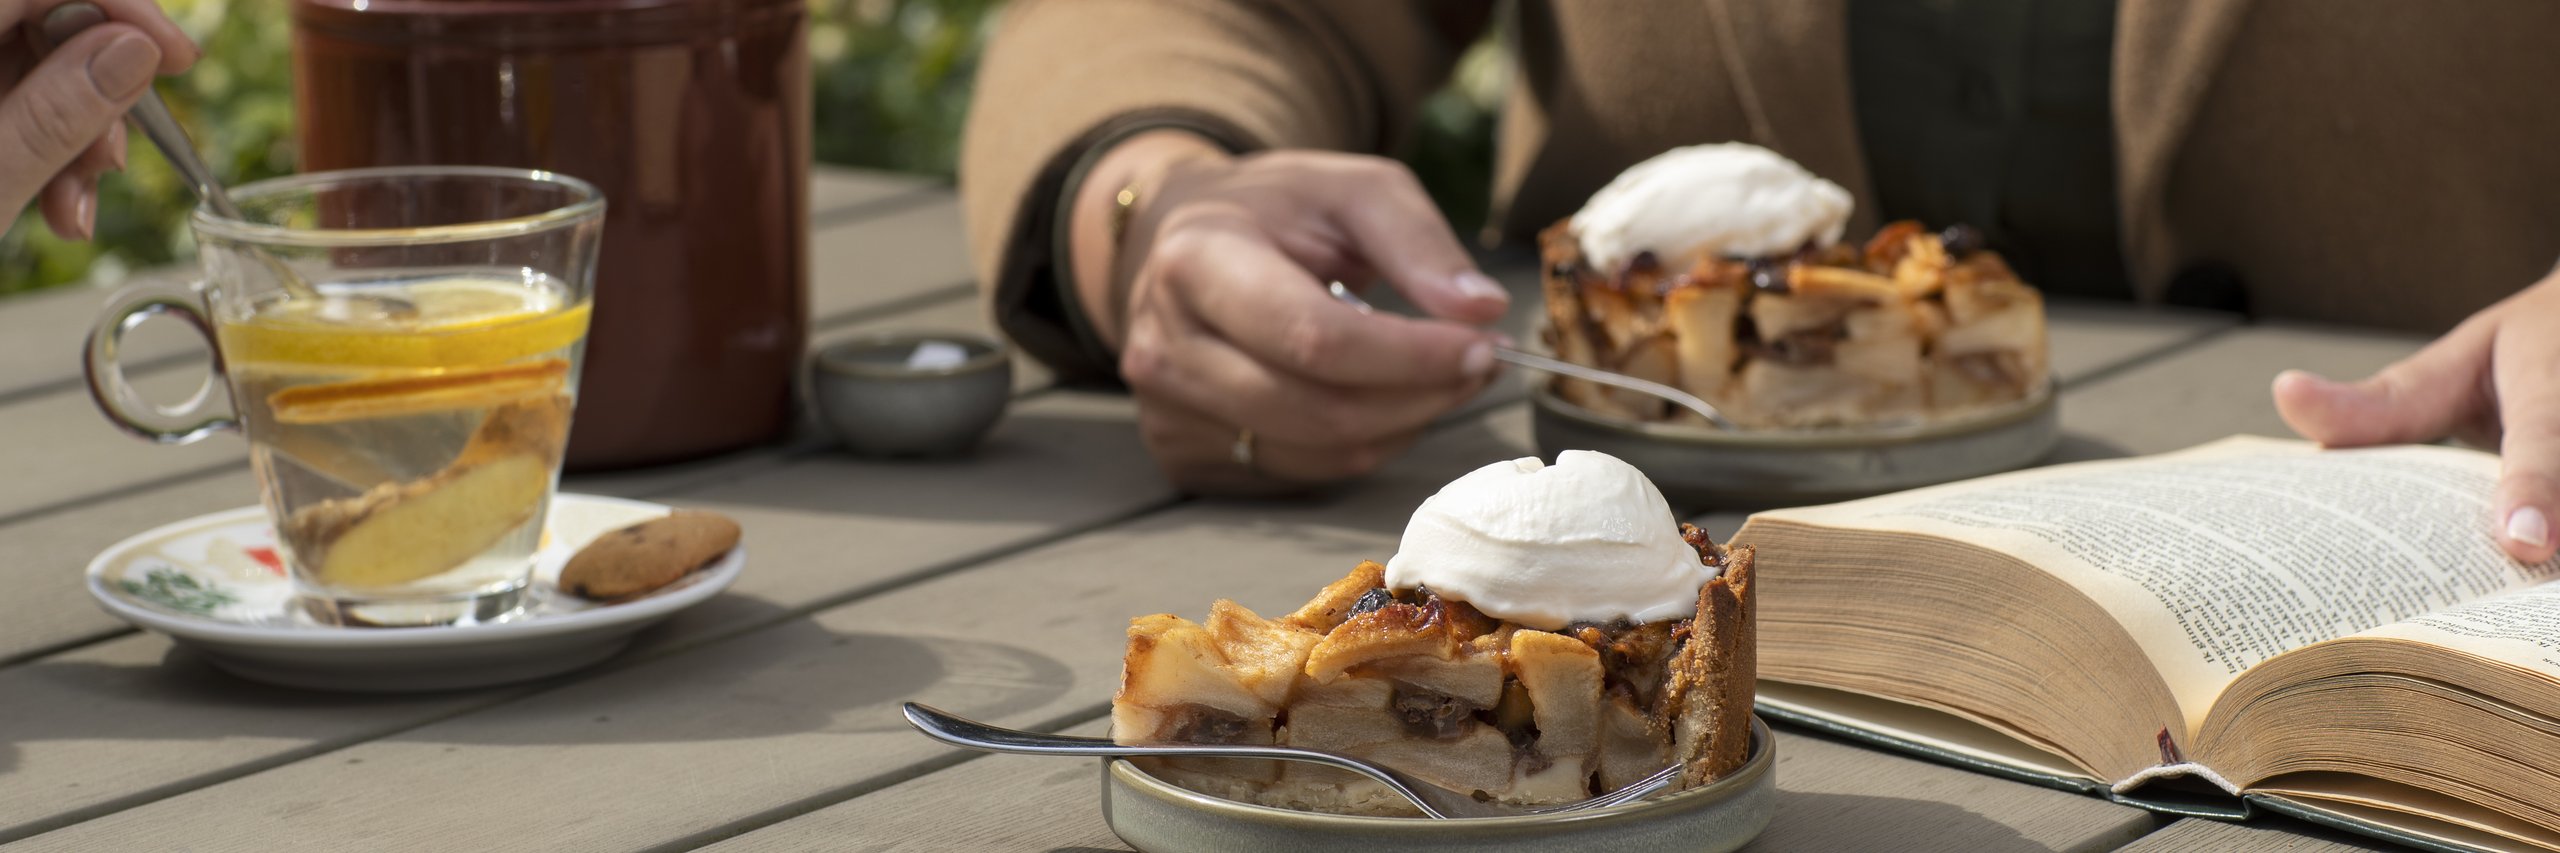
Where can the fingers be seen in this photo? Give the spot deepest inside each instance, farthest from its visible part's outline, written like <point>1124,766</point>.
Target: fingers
<point>1399,233</point>
<point>70,205</point>
<point>2421,398</point>
<point>177,52</point>
<point>1247,292</point>
<point>70,201</point>
<point>1170,357</point>
<point>2527,356</point>
<point>61,109</point>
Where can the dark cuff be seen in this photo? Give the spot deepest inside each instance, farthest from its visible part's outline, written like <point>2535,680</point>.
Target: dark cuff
<point>1035,295</point>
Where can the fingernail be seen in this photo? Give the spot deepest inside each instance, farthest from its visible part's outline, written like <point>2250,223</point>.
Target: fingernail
<point>2527,525</point>
<point>124,66</point>
<point>1478,361</point>
<point>1476,285</point>
<point>87,208</point>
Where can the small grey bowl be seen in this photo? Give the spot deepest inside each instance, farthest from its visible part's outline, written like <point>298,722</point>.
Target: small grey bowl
<point>869,396</point>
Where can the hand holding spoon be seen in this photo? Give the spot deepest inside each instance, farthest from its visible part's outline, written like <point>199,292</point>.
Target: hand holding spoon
<point>151,116</point>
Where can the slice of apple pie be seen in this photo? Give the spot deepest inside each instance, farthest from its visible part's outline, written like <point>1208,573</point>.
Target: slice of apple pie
<point>1434,687</point>
<point>1718,269</point>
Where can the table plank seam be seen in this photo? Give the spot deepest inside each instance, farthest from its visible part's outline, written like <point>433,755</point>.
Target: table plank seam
<point>125,491</point>
<point>49,823</point>
<point>2148,357</point>
<point>901,305</point>
<point>64,646</point>
<point>866,786</point>
<point>536,688</point>
<point>878,207</point>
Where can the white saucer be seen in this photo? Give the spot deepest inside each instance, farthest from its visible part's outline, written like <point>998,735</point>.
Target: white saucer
<point>213,584</point>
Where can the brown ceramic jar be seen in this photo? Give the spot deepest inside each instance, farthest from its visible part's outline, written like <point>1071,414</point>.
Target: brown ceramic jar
<point>691,115</point>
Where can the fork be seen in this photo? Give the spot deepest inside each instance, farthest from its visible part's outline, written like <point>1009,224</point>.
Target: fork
<point>1435,801</point>
<point>1533,361</point>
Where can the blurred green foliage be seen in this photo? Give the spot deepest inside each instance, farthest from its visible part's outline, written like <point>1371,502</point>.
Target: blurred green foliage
<point>892,85</point>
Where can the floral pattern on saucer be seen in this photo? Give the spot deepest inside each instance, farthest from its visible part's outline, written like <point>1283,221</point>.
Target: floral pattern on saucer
<point>230,571</point>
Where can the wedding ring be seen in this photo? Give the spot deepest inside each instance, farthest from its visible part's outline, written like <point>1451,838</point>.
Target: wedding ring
<point>1242,450</point>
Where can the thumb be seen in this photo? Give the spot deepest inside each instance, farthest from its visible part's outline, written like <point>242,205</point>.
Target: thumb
<point>2420,398</point>
<point>2527,354</point>
<point>67,102</point>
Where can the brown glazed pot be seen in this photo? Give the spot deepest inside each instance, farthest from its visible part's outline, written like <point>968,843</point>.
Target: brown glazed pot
<point>691,115</point>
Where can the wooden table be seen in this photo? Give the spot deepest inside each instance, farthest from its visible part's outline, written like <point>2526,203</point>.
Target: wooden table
<point>995,586</point>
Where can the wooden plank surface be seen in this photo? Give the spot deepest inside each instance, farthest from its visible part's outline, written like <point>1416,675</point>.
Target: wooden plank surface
<point>1831,796</point>
<point>805,711</point>
<point>993,802</point>
<point>995,586</point>
<point>2214,389</point>
<point>807,502</point>
<point>78,485</point>
<point>41,333</point>
<point>827,528</point>
<point>910,253</point>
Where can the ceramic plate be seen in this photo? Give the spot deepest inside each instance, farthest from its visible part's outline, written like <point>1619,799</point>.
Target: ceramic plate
<point>1158,817</point>
<point>1701,467</point>
<point>214,583</point>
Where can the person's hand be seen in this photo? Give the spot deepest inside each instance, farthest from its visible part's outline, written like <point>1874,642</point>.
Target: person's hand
<point>1224,326</point>
<point>2494,381</point>
<point>60,109</point>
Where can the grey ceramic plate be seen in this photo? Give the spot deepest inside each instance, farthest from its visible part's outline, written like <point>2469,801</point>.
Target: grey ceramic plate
<point>1701,467</point>
<point>1161,818</point>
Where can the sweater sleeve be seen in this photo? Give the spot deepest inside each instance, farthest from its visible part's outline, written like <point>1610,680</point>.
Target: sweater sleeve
<point>1064,78</point>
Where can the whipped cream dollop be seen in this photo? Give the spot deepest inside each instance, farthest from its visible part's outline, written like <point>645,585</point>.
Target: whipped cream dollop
<point>1587,539</point>
<point>1727,200</point>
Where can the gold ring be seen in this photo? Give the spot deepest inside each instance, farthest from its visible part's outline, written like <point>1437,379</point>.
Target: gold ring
<point>1242,450</point>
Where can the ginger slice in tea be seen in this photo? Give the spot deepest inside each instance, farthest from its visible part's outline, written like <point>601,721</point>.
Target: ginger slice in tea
<point>402,532</point>
<point>398,533</point>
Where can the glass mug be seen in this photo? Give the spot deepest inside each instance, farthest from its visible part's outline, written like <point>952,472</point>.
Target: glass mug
<point>401,350</point>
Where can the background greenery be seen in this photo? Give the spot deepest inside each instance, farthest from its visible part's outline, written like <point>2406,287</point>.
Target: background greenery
<point>892,83</point>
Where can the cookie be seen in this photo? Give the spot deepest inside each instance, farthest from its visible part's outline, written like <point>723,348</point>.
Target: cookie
<point>642,557</point>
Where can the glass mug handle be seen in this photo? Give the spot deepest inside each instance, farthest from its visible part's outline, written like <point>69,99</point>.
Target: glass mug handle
<point>208,412</point>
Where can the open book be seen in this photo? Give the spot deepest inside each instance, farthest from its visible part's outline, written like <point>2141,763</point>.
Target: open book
<point>2326,633</point>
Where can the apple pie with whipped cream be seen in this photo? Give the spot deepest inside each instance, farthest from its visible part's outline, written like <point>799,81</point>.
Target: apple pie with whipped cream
<point>1542,634</point>
<point>1719,269</point>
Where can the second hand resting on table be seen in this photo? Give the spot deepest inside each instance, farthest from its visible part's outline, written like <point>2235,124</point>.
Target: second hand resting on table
<point>1249,379</point>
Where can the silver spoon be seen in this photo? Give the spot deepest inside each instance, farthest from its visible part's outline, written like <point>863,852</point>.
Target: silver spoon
<point>151,116</point>
<point>1434,800</point>
<point>1560,367</point>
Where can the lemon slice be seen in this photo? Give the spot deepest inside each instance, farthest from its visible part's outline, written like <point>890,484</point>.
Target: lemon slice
<point>459,322</point>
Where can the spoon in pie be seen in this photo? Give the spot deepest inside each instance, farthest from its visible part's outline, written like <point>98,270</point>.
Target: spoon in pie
<point>1435,801</point>
<point>1560,367</point>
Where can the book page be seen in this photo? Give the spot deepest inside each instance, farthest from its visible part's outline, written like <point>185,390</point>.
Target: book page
<point>2520,628</point>
<point>2224,555</point>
